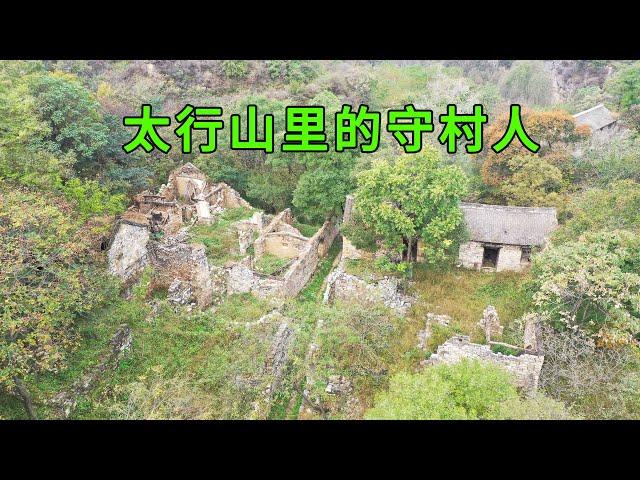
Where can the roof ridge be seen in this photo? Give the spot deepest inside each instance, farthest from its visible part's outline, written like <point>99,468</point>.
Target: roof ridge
<point>488,206</point>
<point>600,105</point>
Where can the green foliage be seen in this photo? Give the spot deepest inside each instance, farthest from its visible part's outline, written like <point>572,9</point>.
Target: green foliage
<point>624,85</point>
<point>306,229</point>
<point>93,199</point>
<point>359,234</point>
<point>592,283</point>
<point>529,83</point>
<point>320,193</point>
<point>48,279</point>
<point>412,198</point>
<point>615,207</point>
<point>269,264</point>
<point>235,68</point>
<point>466,390</point>
<point>73,116</point>
<point>533,182</point>
<point>288,71</point>
<point>271,188</point>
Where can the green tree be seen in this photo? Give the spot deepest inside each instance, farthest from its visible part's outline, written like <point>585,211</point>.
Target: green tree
<point>528,82</point>
<point>624,86</point>
<point>73,117</point>
<point>592,283</point>
<point>235,68</point>
<point>48,278</point>
<point>533,182</point>
<point>19,123</point>
<point>320,193</point>
<point>412,198</point>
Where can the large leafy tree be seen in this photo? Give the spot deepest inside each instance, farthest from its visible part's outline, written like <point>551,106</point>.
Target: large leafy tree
<point>555,131</point>
<point>410,198</point>
<point>48,278</point>
<point>73,116</point>
<point>534,182</point>
<point>593,284</point>
<point>624,85</point>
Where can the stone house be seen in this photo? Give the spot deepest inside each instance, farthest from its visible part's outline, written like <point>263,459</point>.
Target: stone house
<point>502,237</point>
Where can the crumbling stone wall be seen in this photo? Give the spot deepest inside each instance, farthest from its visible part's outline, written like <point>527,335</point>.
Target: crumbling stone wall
<point>128,254</point>
<point>242,279</point>
<point>525,368</point>
<point>299,273</point>
<point>283,244</point>
<point>343,286</point>
<point>119,345</point>
<point>173,259</point>
<point>280,238</point>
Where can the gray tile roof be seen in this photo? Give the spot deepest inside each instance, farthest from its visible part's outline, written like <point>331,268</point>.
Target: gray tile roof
<point>595,118</point>
<point>509,225</point>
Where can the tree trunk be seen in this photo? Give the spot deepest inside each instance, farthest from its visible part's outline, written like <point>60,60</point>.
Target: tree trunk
<point>26,397</point>
<point>409,250</point>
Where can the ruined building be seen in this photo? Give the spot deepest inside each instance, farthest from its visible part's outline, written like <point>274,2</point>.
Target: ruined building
<point>502,237</point>
<point>154,232</point>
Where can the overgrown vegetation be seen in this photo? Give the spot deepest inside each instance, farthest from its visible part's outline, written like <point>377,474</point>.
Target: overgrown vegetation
<point>64,177</point>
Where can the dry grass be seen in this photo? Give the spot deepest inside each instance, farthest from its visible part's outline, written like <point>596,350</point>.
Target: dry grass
<point>464,294</point>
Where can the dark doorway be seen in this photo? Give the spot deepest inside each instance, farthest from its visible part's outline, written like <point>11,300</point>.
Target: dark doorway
<point>490,256</point>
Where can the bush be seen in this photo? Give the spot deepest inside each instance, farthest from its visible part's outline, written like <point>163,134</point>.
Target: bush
<point>598,383</point>
<point>529,83</point>
<point>464,391</point>
<point>235,68</point>
<point>624,85</point>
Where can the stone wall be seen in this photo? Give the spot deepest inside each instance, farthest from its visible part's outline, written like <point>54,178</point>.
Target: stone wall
<point>242,279</point>
<point>128,253</point>
<point>175,259</point>
<point>297,276</point>
<point>509,258</point>
<point>471,255</point>
<point>280,223</point>
<point>525,368</point>
<point>283,244</point>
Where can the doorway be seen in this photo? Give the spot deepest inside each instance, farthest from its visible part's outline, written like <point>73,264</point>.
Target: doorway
<point>490,256</point>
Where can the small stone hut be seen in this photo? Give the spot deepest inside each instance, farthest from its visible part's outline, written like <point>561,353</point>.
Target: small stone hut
<point>598,118</point>
<point>502,237</point>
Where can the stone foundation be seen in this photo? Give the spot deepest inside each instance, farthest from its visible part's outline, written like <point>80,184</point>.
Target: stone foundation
<point>343,286</point>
